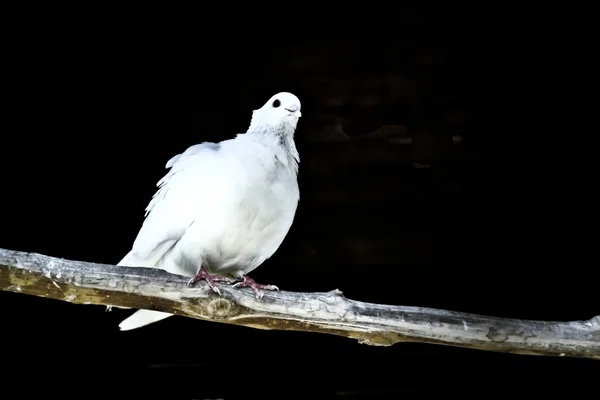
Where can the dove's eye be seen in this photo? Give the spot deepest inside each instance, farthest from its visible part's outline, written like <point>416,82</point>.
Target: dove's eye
<point>276,103</point>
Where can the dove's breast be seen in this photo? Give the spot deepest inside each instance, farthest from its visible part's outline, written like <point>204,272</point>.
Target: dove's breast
<point>249,213</point>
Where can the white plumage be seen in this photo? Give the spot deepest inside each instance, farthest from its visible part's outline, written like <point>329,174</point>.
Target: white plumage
<point>225,206</point>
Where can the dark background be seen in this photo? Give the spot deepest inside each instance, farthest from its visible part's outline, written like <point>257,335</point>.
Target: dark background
<point>501,223</point>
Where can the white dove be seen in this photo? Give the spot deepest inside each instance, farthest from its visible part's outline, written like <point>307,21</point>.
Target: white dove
<point>223,208</point>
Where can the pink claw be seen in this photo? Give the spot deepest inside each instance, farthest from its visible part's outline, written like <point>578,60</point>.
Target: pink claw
<point>210,279</point>
<point>256,287</point>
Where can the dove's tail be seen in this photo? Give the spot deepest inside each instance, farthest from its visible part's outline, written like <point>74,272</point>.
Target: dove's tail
<point>130,260</point>
<point>142,318</point>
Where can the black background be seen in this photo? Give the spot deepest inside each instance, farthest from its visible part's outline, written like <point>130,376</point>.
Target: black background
<point>105,97</point>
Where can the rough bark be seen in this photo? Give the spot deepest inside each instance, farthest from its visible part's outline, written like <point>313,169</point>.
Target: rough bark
<point>383,325</point>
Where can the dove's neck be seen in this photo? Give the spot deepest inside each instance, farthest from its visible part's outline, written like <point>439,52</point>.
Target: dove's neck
<point>278,137</point>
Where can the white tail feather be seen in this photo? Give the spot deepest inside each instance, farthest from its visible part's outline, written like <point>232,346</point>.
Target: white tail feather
<point>142,318</point>
<point>128,261</point>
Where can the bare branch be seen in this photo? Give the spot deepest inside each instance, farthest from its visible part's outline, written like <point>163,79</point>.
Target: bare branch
<point>374,324</point>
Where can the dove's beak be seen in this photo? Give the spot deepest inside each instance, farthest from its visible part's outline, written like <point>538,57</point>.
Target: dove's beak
<point>294,112</point>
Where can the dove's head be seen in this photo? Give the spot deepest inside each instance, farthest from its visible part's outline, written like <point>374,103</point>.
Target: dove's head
<point>281,111</point>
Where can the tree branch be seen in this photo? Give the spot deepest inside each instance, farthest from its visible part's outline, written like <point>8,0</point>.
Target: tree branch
<point>149,288</point>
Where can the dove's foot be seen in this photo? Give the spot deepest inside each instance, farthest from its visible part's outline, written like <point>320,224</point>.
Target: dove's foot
<point>257,287</point>
<point>210,279</point>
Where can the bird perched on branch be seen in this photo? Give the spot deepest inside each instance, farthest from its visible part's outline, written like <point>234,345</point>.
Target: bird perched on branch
<point>223,208</point>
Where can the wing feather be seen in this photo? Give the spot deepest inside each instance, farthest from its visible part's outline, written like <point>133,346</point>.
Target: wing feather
<point>170,211</point>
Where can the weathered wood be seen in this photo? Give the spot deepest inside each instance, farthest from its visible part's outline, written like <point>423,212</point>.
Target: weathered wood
<point>89,283</point>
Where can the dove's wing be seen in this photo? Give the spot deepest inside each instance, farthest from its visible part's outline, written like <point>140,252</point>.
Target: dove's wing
<point>193,186</point>
<point>174,206</point>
